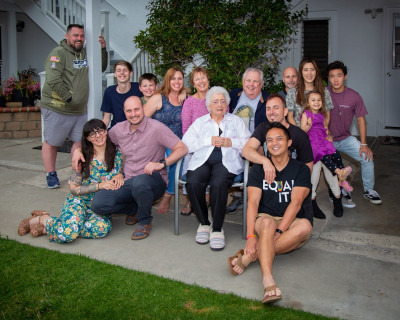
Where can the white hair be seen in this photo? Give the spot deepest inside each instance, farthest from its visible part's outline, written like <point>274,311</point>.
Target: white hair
<point>216,90</point>
<point>253,69</point>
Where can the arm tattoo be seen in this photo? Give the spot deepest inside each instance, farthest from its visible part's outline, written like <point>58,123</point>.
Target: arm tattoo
<point>76,187</point>
<point>84,190</point>
<point>76,178</point>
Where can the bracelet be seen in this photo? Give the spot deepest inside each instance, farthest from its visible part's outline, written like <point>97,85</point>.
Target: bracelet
<point>363,144</point>
<point>250,236</point>
<point>279,231</point>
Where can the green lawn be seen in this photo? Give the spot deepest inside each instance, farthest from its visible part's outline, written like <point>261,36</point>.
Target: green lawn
<point>38,283</point>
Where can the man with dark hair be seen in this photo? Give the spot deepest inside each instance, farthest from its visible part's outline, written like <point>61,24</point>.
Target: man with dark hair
<point>250,97</point>
<point>115,96</point>
<point>300,147</point>
<point>276,211</point>
<point>347,104</point>
<point>64,96</point>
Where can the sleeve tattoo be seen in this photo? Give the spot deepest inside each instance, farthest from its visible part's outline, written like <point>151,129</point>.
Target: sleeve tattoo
<point>76,187</point>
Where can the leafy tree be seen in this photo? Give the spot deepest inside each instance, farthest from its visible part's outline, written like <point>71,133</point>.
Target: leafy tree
<point>226,36</point>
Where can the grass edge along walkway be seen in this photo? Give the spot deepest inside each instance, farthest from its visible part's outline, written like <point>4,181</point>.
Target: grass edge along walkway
<point>38,283</point>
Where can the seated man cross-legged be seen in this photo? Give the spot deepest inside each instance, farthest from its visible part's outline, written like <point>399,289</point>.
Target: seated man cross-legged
<point>278,219</point>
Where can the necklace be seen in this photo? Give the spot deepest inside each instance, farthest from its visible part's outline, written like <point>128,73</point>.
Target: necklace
<point>335,102</point>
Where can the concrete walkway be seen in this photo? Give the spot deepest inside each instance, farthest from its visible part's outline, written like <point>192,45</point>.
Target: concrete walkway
<point>349,269</point>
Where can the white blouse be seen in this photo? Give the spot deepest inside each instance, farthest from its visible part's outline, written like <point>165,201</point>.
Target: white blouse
<point>198,141</point>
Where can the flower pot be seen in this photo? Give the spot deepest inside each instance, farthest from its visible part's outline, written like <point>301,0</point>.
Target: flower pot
<point>18,95</point>
<point>2,101</point>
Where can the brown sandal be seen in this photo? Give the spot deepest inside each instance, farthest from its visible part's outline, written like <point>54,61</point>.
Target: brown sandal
<point>36,213</point>
<point>187,209</point>
<point>141,232</point>
<point>38,230</point>
<point>25,226</point>
<point>271,299</point>
<point>131,220</point>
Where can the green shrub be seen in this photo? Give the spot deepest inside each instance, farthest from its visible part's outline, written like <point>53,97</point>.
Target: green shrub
<point>226,36</point>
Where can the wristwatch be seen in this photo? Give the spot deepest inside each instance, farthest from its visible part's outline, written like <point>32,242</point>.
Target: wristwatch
<point>163,162</point>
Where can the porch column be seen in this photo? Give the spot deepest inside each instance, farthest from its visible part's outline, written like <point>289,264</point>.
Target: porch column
<point>92,33</point>
<point>12,43</point>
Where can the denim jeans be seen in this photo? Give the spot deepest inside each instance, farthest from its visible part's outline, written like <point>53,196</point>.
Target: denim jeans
<point>351,146</point>
<point>136,195</point>
<point>171,173</point>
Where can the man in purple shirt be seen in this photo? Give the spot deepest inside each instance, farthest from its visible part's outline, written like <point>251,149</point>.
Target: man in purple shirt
<point>142,141</point>
<point>347,104</point>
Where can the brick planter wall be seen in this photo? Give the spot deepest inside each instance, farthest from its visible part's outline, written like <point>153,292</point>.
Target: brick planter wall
<point>23,122</point>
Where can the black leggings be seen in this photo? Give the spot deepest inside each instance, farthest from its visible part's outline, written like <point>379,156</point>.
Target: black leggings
<point>212,173</point>
<point>333,161</point>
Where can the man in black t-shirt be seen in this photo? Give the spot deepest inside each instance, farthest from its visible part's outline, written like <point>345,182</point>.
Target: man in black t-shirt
<point>300,148</point>
<point>276,211</point>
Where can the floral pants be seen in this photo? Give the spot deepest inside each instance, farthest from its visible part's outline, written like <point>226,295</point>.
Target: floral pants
<point>77,220</point>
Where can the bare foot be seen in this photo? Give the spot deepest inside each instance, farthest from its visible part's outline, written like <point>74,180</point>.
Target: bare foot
<point>238,267</point>
<point>164,205</point>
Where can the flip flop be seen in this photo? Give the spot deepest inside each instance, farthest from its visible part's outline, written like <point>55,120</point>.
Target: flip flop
<point>239,262</point>
<point>271,299</point>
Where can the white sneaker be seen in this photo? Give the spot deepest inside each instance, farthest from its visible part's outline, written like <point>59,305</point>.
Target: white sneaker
<point>347,201</point>
<point>203,234</point>
<point>217,240</point>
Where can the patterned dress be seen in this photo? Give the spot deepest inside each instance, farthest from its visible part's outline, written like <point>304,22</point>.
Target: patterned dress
<point>170,115</point>
<point>77,218</point>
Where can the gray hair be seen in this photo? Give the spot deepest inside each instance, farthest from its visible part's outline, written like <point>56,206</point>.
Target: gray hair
<point>216,90</point>
<point>253,69</point>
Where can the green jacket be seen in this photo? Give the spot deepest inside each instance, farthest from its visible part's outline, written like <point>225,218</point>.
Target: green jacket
<point>67,77</point>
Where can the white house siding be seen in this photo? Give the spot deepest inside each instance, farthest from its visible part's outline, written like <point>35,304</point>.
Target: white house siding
<point>357,40</point>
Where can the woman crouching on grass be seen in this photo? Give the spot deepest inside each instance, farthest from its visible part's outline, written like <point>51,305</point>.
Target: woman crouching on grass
<point>102,169</point>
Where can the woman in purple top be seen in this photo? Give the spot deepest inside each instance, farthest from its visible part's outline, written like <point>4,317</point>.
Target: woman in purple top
<point>194,107</point>
<point>165,107</point>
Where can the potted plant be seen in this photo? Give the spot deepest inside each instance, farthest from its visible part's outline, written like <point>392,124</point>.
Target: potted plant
<point>2,98</point>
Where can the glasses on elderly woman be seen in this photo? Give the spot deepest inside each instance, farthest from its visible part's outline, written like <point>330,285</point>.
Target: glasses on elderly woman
<point>93,134</point>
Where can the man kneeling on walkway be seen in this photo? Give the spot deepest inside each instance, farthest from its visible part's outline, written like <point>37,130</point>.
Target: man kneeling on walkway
<point>275,212</point>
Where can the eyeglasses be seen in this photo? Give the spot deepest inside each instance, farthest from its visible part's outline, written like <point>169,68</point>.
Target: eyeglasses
<point>93,134</point>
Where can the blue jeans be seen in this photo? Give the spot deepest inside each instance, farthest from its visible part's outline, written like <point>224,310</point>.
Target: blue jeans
<point>171,173</point>
<point>136,195</point>
<point>351,146</point>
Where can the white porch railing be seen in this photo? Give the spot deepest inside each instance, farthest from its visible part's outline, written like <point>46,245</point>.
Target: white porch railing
<point>140,64</point>
<point>64,12</point>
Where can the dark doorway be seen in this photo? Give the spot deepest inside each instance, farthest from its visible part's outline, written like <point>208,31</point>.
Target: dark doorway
<point>316,43</point>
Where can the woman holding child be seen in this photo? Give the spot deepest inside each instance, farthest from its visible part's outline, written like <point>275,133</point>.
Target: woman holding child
<point>296,101</point>
<point>101,170</point>
<point>165,107</point>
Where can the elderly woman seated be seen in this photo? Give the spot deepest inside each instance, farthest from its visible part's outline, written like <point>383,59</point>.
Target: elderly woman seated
<point>216,141</point>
